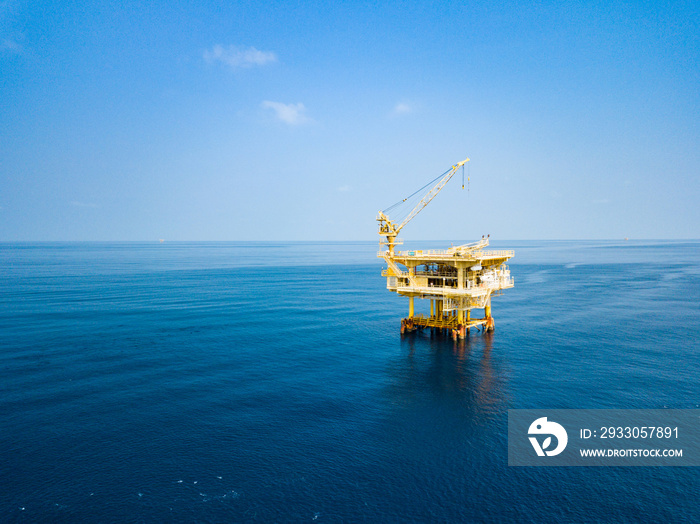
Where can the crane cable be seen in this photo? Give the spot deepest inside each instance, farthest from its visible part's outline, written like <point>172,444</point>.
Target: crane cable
<point>468,178</point>
<point>417,191</point>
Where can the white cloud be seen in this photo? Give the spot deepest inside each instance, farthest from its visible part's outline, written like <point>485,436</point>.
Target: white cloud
<point>10,46</point>
<point>402,108</point>
<point>238,57</point>
<point>82,204</point>
<point>292,114</point>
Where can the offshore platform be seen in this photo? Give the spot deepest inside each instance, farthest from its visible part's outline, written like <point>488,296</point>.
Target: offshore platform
<point>455,280</point>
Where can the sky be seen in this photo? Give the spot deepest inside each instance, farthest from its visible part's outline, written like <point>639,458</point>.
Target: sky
<point>300,120</point>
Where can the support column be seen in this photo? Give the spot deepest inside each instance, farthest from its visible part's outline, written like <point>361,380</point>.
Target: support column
<point>410,306</point>
<point>432,307</point>
<point>487,313</point>
<point>469,317</point>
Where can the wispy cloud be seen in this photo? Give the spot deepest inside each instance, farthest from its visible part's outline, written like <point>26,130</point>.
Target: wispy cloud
<point>343,189</point>
<point>10,46</point>
<point>601,201</point>
<point>238,57</point>
<point>292,114</point>
<point>402,108</point>
<point>82,204</point>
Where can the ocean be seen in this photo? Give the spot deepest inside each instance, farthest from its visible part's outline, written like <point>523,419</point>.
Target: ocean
<point>268,382</point>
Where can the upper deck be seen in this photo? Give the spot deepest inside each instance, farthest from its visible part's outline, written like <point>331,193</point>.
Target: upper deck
<point>446,256</point>
<point>456,256</point>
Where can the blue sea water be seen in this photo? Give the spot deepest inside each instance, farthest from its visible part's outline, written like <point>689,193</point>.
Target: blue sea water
<point>268,382</point>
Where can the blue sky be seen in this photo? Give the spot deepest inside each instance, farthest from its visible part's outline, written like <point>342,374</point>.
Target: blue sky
<point>299,120</point>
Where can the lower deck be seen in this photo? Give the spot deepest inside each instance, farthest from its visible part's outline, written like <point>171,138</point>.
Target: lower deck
<point>458,327</point>
<point>445,322</point>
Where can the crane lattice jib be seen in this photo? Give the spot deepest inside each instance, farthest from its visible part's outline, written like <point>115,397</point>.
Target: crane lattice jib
<point>425,200</point>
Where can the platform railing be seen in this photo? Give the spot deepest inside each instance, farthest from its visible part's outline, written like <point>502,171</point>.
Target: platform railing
<point>443,253</point>
<point>504,253</point>
<point>445,322</point>
<point>447,274</point>
<point>391,273</point>
<point>500,283</point>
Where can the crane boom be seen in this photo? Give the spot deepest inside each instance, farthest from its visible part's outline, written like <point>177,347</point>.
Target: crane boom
<point>391,230</point>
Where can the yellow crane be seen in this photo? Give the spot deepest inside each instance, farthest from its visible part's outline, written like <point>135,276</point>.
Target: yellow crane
<point>389,229</point>
<point>455,280</point>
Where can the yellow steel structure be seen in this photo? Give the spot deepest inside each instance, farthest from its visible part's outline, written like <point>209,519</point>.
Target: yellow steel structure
<point>455,280</point>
